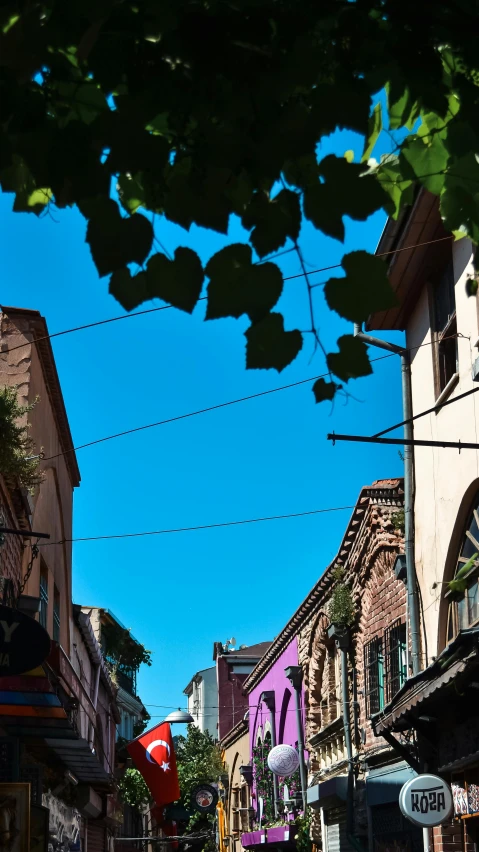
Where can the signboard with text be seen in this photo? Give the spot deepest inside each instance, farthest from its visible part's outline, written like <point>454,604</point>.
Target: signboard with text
<point>426,800</point>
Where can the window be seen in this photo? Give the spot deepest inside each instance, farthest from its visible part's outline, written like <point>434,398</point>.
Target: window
<point>374,676</point>
<point>56,615</point>
<point>464,608</point>
<point>395,658</point>
<point>43,616</point>
<point>444,328</point>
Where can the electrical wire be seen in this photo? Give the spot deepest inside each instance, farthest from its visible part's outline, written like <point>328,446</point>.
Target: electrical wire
<point>203,298</point>
<point>200,527</point>
<point>185,416</point>
<point>232,402</point>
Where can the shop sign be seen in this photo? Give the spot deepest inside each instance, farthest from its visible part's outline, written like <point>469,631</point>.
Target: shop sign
<point>24,643</point>
<point>204,798</point>
<point>283,760</point>
<point>426,800</point>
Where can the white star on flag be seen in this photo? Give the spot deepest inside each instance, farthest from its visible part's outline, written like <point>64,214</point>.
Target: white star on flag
<point>164,766</point>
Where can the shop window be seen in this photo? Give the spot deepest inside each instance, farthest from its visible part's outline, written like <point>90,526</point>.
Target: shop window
<point>43,614</point>
<point>464,609</point>
<point>395,658</point>
<point>56,615</point>
<point>374,676</point>
<point>445,352</point>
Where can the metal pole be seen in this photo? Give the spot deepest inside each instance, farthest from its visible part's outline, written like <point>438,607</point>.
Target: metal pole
<point>412,591</point>
<point>412,595</point>
<point>406,442</point>
<point>295,677</point>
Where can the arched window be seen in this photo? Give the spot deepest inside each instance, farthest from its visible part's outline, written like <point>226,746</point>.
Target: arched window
<point>464,606</point>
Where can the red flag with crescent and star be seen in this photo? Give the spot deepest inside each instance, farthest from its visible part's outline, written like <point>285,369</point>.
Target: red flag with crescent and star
<point>153,754</point>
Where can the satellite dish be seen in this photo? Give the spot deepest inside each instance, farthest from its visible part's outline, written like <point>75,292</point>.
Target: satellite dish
<point>232,641</point>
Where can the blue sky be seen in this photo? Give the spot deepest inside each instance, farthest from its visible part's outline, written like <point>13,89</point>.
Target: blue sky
<point>179,593</point>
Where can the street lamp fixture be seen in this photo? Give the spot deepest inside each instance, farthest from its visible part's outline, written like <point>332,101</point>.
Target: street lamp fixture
<point>179,717</point>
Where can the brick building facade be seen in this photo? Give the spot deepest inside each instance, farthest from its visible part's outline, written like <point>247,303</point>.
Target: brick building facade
<point>378,662</point>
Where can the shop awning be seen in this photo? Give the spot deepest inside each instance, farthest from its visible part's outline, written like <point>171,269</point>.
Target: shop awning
<point>384,785</point>
<point>80,760</point>
<point>328,794</point>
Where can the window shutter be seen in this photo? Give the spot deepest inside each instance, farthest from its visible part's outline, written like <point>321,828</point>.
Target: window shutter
<point>394,641</point>
<point>373,687</point>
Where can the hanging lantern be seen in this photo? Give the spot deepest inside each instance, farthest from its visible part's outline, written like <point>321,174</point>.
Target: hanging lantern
<point>283,760</point>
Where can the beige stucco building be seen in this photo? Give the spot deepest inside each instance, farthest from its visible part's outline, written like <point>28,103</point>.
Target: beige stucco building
<point>441,324</point>
<point>433,277</point>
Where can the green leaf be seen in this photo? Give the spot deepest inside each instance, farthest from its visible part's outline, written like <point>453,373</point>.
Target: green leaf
<point>375,125</point>
<point>459,202</point>
<point>402,109</point>
<point>425,162</point>
<point>129,290</point>
<point>239,287</point>
<point>177,281</point>
<point>471,287</point>
<point>130,192</point>
<point>321,208</point>
<point>33,202</point>
<point>349,156</point>
<point>269,346</point>
<point>399,189</point>
<point>364,290</point>
<point>115,242</point>
<point>86,100</point>
<point>351,361</point>
<point>272,220</point>
<point>324,390</point>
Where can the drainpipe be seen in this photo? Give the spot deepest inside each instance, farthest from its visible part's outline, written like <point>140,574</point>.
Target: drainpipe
<point>342,639</point>
<point>269,700</point>
<point>412,590</point>
<point>295,676</point>
<point>94,702</point>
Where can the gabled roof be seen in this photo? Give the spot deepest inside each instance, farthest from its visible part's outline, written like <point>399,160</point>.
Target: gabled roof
<point>381,491</point>
<point>38,328</point>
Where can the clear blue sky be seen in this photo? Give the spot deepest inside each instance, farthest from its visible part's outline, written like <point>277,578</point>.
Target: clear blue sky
<point>180,593</point>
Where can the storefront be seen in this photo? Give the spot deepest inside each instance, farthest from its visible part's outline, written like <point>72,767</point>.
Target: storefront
<point>439,709</point>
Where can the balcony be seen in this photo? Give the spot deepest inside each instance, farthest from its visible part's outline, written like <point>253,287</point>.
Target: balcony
<point>73,747</point>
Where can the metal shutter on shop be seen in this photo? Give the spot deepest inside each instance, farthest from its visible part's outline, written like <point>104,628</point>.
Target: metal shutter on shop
<point>95,837</point>
<point>336,833</point>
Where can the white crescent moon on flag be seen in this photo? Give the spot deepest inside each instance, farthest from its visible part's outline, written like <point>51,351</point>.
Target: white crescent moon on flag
<point>153,745</point>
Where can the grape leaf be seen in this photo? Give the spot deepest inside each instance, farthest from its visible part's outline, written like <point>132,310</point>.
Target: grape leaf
<point>324,390</point>
<point>239,287</point>
<point>351,361</point>
<point>364,290</point>
<point>269,346</point>
<point>177,281</point>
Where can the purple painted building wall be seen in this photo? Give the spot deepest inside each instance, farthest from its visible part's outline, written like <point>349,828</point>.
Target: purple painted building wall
<point>285,726</point>
<point>285,703</point>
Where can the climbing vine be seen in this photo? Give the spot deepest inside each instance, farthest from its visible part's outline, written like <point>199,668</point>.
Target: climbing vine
<point>263,780</point>
<point>18,457</point>
<point>210,114</point>
<point>341,607</point>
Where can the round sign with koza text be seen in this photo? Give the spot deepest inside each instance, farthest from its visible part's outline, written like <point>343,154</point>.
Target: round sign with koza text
<point>24,643</point>
<point>426,800</point>
<point>283,760</point>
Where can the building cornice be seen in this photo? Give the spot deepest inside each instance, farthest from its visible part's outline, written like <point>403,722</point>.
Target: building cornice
<point>382,492</point>
<point>239,730</point>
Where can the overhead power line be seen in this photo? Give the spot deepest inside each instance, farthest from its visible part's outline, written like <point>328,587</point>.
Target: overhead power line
<point>225,405</point>
<point>200,527</point>
<point>203,298</point>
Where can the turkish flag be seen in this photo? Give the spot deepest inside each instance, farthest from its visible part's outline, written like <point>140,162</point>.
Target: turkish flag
<point>154,756</point>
